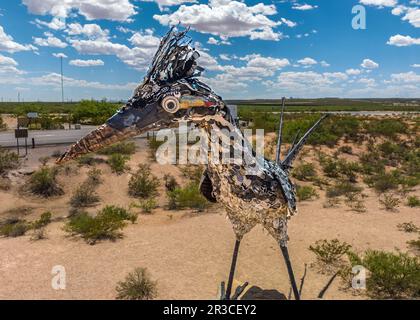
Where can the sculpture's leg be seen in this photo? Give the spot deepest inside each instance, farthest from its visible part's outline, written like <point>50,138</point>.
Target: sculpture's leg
<point>225,293</point>
<point>285,253</point>
<point>232,269</point>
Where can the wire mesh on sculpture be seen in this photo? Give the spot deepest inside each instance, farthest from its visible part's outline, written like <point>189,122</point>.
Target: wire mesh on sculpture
<point>171,93</point>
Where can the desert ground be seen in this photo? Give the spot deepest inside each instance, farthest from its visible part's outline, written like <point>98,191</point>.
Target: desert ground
<point>187,252</point>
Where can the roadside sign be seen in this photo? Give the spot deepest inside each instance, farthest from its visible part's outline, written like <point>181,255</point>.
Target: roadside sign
<point>32,115</point>
<point>21,133</point>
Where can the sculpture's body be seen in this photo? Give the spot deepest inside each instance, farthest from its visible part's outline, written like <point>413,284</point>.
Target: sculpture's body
<point>258,193</point>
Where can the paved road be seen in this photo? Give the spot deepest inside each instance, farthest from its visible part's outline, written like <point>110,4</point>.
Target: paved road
<point>46,137</point>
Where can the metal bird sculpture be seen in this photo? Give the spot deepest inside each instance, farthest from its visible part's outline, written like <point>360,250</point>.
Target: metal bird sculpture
<point>170,93</point>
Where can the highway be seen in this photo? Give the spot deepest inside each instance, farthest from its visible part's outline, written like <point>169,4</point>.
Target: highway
<point>45,137</point>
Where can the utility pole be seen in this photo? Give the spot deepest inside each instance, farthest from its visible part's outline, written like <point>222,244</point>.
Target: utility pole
<point>62,82</point>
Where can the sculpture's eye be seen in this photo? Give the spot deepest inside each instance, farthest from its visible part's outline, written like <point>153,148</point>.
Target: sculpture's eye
<point>170,104</point>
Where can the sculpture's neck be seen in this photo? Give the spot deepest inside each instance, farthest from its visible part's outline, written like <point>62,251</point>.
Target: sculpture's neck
<point>227,144</point>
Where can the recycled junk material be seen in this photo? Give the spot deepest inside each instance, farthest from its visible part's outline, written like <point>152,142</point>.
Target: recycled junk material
<point>170,93</point>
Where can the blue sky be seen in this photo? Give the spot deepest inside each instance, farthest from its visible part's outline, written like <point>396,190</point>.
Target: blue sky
<point>250,49</point>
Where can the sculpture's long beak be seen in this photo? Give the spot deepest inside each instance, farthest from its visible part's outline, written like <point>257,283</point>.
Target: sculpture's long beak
<point>97,139</point>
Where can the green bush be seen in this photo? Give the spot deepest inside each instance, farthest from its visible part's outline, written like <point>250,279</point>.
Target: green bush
<point>44,220</point>
<point>414,244</point>
<point>305,193</point>
<point>193,173</point>
<point>385,127</point>
<point>143,184</point>
<point>342,188</point>
<point>354,202</point>
<point>187,197</point>
<point>170,182</point>
<point>390,275</point>
<point>137,286</point>
<point>8,161</point>
<point>413,201</point>
<point>127,148</point>
<point>87,160</point>
<point>105,225</point>
<point>93,112</point>
<point>392,151</point>
<point>13,228</point>
<point>148,205</point>
<point>346,149</point>
<point>304,172</point>
<point>409,227</point>
<point>44,182</point>
<point>389,202</point>
<point>383,182</point>
<point>329,252</point>
<point>372,163</point>
<point>154,146</point>
<point>84,196</point>
<point>117,162</point>
<point>94,177</point>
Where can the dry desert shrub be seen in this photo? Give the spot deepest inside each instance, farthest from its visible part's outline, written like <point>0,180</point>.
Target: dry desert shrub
<point>137,286</point>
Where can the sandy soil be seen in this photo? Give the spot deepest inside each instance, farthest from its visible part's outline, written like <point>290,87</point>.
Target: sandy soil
<point>188,253</point>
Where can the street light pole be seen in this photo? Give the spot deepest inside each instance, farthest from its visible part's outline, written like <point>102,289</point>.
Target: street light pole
<point>62,82</point>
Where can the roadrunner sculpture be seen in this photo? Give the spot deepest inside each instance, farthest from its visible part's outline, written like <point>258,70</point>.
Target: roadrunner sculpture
<point>261,193</point>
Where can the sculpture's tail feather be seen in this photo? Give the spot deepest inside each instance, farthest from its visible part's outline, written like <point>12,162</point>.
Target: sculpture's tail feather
<point>280,131</point>
<point>295,139</point>
<point>97,139</point>
<point>287,162</point>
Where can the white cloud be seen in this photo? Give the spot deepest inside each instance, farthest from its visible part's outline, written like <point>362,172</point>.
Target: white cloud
<point>124,29</point>
<point>49,41</point>
<point>225,57</point>
<point>402,41</point>
<point>288,23</point>
<point>353,72</point>
<point>119,10</point>
<point>367,82</point>
<point>217,42</point>
<point>86,63</point>
<point>416,65</point>
<point>9,45</point>
<point>55,24</point>
<point>379,3</point>
<point>324,63</point>
<point>207,61</point>
<point>303,7</point>
<point>406,77</point>
<point>309,83</point>
<point>307,62</point>
<point>139,56</point>
<point>168,3</point>
<point>413,17</point>
<point>6,61</point>
<point>258,61</point>
<point>54,80</point>
<point>225,83</point>
<point>226,19</point>
<point>8,66</point>
<point>398,10</point>
<point>90,30</point>
<point>145,39</point>
<point>59,55</point>
<point>369,64</point>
